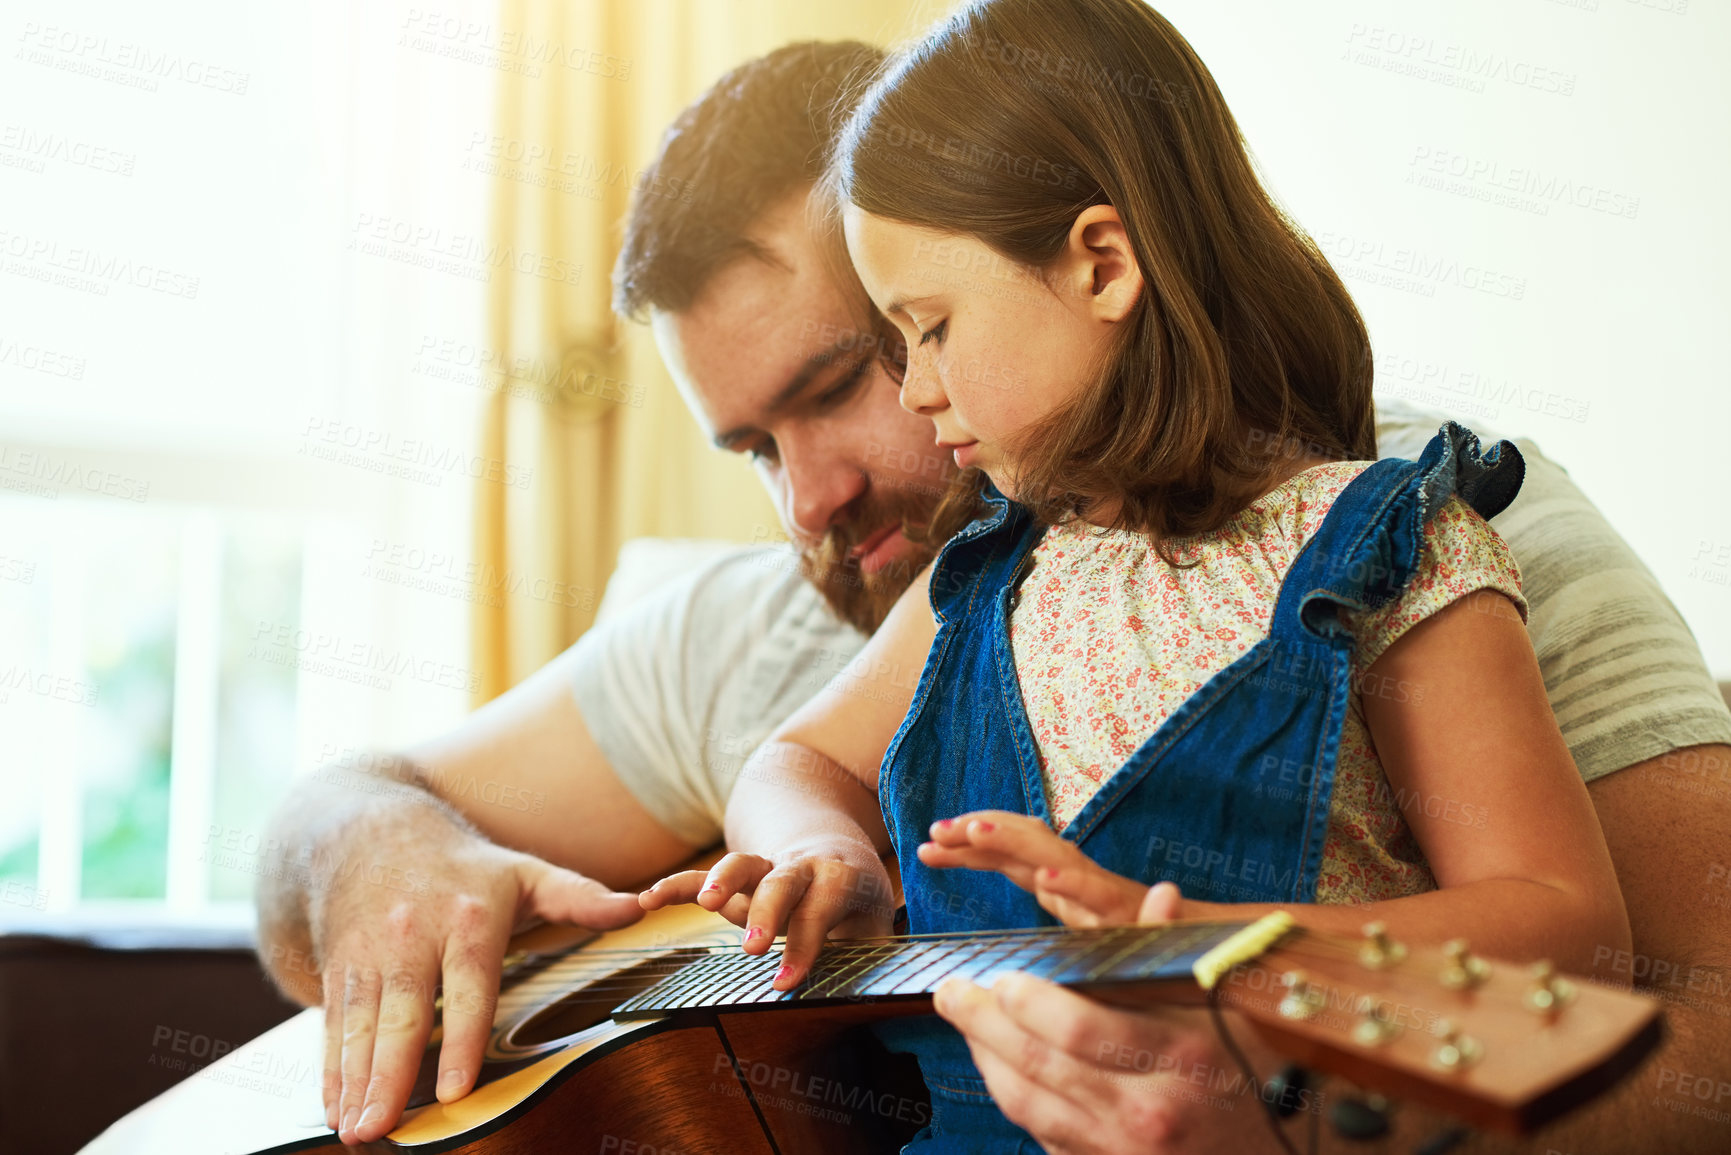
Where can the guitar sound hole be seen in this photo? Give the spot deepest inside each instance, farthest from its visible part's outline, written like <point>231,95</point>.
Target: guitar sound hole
<point>593,1003</point>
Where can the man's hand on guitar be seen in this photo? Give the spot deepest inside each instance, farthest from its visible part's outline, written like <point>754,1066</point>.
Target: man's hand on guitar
<point>808,893</point>
<point>1088,1079</point>
<point>385,951</point>
<point>1066,883</point>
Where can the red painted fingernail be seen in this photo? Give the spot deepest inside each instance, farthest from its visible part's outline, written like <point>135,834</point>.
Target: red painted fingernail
<point>945,822</point>
<point>783,973</point>
<point>712,886</point>
<point>986,826</point>
<point>752,932</point>
<point>1048,872</point>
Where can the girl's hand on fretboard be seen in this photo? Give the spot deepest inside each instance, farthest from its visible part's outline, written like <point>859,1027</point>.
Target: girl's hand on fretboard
<point>807,892</point>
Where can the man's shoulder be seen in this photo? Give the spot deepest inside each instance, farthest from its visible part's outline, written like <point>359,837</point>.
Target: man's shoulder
<point>1404,429</point>
<point>765,575</point>
<point>1624,675</point>
<point>733,598</point>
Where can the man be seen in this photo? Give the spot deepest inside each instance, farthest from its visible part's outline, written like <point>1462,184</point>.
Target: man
<point>634,734</point>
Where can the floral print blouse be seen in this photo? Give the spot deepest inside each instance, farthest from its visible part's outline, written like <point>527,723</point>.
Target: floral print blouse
<point>1109,640</point>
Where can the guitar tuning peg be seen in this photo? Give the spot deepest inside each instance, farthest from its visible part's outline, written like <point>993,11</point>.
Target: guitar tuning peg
<point>1379,950</point>
<point>1287,1091</point>
<point>1302,1000</point>
<point>1360,1119</point>
<point>1463,971</point>
<point>1443,1141</point>
<point>1456,1051</point>
<point>1375,1027</point>
<point>1550,992</point>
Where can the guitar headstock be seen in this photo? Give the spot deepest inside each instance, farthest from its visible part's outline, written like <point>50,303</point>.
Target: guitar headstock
<point>1502,1046</point>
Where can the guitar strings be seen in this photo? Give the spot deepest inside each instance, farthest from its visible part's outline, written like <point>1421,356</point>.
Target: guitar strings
<point>606,984</point>
<point>610,980</point>
<point>835,955</point>
<point>551,978</point>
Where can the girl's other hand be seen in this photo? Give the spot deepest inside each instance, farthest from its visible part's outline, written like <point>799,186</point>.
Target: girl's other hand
<point>1163,903</point>
<point>1067,884</point>
<point>808,893</point>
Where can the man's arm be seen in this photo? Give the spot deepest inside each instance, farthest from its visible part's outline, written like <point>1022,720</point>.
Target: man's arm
<point>568,804</point>
<point>1085,1078</point>
<point>412,871</point>
<point>1668,823</point>
<point>613,761</point>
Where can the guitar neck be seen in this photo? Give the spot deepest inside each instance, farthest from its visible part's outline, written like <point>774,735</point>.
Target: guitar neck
<point>913,967</point>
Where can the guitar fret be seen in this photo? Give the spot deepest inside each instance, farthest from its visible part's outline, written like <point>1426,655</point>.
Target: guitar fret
<point>697,995</point>
<point>743,981</point>
<point>683,983</point>
<point>1021,959</point>
<point>991,956</point>
<point>685,996</point>
<point>881,965</point>
<point>928,977</point>
<point>1063,953</point>
<point>1079,966</point>
<point>1170,940</point>
<point>840,983</point>
<point>727,978</point>
<point>912,959</point>
<point>768,994</point>
<point>1135,943</point>
<point>1167,954</point>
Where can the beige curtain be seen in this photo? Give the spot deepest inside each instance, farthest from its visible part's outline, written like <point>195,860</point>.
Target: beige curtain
<point>591,443</point>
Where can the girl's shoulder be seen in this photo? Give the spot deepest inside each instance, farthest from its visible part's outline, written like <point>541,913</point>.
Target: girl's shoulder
<point>1462,554</point>
<point>1295,508</point>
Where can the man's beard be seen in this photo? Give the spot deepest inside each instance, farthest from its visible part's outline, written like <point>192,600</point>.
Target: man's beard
<point>928,518</point>
<point>861,599</point>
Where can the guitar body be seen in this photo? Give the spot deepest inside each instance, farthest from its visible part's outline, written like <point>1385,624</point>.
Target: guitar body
<point>561,1075</point>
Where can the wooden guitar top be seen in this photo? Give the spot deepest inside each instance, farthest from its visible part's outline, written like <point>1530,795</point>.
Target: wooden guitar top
<point>267,1095</point>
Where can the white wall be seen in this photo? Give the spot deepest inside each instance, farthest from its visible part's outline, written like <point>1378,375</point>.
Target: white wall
<point>1603,125</point>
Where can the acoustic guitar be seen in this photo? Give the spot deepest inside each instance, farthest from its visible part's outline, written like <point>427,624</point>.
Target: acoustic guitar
<point>663,1038</point>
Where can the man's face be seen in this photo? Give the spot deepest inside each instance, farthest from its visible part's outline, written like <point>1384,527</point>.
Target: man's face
<point>772,363</point>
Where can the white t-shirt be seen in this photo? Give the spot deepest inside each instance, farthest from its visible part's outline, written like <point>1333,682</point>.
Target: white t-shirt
<point>680,687</point>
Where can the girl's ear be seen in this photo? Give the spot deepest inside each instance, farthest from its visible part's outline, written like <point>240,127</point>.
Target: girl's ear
<point>1099,265</point>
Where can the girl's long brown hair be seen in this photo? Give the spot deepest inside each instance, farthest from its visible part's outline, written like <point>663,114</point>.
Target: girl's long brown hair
<point>1245,350</point>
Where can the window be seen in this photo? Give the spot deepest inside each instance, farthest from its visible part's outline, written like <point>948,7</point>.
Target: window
<point>136,722</point>
<point>208,574</point>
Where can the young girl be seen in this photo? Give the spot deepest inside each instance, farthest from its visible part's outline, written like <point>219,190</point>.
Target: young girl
<point>1200,638</point>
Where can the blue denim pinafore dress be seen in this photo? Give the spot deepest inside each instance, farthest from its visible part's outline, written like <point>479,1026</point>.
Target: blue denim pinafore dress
<point>1229,797</point>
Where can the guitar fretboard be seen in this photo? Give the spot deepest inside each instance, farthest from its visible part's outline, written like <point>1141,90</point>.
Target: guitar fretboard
<point>913,966</point>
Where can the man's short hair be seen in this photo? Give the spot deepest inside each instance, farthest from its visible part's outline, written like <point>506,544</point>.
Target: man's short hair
<point>758,134</point>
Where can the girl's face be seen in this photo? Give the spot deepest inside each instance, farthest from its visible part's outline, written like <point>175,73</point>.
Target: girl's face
<point>993,346</point>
